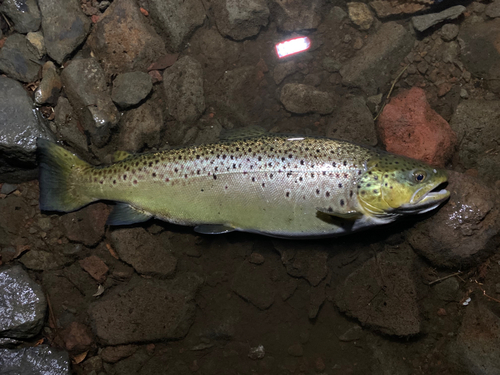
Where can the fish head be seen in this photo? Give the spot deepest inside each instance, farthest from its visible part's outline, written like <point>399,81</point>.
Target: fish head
<point>395,185</point>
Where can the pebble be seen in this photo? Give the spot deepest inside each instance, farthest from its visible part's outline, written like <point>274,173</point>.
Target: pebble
<point>8,188</point>
<point>257,352</point>
<point>95,267</point>
<point>493,10</point>
<point>17,61</point>
<point>300,98</point>
<point>256,258</point>
<point>360,15</point>
<point>36,44</point>
<point>297,15</point>
<point>24,14</point>
<point>296,350</point>
<point>240,20</point>
<point>422,23</point>
<point>131,88</point>
<point>449,32</point>
<point>87,225</point>
<point>50,87</point>
<point>66,125</point>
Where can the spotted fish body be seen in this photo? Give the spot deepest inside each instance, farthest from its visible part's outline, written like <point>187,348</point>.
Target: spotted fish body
<point>275,185</point>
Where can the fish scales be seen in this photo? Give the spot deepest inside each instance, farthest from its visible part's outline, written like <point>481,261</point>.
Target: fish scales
<point>236,181</point>
<point>276,185</point>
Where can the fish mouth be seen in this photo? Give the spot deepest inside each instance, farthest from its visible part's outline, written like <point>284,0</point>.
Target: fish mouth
<point>422,203</point>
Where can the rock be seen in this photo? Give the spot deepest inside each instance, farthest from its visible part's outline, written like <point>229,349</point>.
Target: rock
<point>81,279</point>
<point>123,40</point>
<point>22,304</point>
<point>296,350</point>
<point>23,13</point>
<point>477,344</point>
<point>283,70</point>
<point>217,51</point>
<point>449,32</point>
<point>140,316</point>
<point>50,86</point>
<point>13,219</point>
<point>409,126</point>
<point>447,290</point>
<point>240,19</point>
<point>95,267</point>
<point>130,88</point>
<point>36,44</point>
<point>353,122</point>
<point>301,260</point>
<point>64,27</point>
<point>17,61</point>
<point>360,15</point>
<point>87,225</point>
<point>37,360</point>
<point>296,15</point>
<point>8,188</point>
<point>112,354</point>
<point>300,98</point>
<point>371,67</point>
<point>387,8</point>
<point>257,352</point>
<point>20,128</point>
<point>381,294</point>
<point>479,51</point>
<point>177,19</point>
<point>85,85</point>
<point>141,127</point>
<point>352,334</point>
<point>40,260</point>
<point>253,284</point>
<point>465,231</point>
<point>183,83</point>
<point>422,23</point>
<point>493,9</point>
<point>77,337</point>
<point>144,252</point>
<point>256,258</point>
<point>478,149</point>
<point>67,125</point>
<point>317,297</point>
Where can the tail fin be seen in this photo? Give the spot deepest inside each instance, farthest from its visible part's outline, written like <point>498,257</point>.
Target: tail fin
<point>59,189</point>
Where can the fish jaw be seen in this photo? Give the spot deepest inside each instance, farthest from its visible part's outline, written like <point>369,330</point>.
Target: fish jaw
<point>425,201</point>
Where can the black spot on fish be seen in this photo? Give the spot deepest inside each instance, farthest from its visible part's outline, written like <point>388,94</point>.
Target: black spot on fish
<point>287,194</point>
<point>327,194</point>
<point>340,185</point>
<point>302,162</point>
<point>215,177</point>
<point>153,174</point>
<point>263,184</point>
<point>135,182</point>
<point>124,176</point>
<point>114,182</point>
<point>350,194</point>
<point>345,163</point>
<point>271,175</point>
<point>176,170</point>
<point>342,202</point>
<point>253,179</point>
<point>368,185</point>
<point>317,191</point>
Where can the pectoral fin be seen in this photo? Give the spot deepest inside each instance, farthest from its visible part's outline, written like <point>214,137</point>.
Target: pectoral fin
<point>213,229</point>
<point>125,214</point>
<point>348,215</point>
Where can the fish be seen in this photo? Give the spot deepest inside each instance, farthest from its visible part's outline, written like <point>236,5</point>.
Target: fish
<point>276,185</point>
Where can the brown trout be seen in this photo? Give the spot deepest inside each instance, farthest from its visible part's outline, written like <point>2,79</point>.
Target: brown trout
<point>276,185</point>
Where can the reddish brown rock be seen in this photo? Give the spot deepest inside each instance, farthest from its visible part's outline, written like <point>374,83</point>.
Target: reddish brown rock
<point>77,337</point>
<point>123,41</point>
<point>409,126</point>
<point>113,354</point>
<point>95,267</point>
<point>86,225</point>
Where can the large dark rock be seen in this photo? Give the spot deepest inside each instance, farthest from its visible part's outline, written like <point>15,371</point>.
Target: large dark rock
<point>144,252</point>
<point>465,230</point>
<point>123,40</point>
<point>24,14</point>
<point>38,360</point>
<point>381,294</point>
<point>20,127</point>
<point>64,27</point>
<point>22,304</point>
<point>371,68</point>
<point>240,19</point>
<point>87,225</point>
<point>300,98</point>
<point>17,61</point>
<point>85,84</point>
<point>146,310</point>
<point>130,88</point>
<point>177,19</point>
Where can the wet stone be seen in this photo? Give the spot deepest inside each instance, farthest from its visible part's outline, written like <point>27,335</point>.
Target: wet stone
<point>95,267</point>
<point>360,15</point>
<point>300,98</point>
<point>22,304</point>
<point>87,225</point>
<point>183,83</point>
<point>177,19</point>
<point>123,40</point>
<point>296,15</point>
<point>144,252</point>
<point>66,124</point>
<point>85,85</point>
<point>17,61</point>
<point>64,27</point>
<point>137,310</point>
<point>24,14</point>
<point>447,290</point>
<point>36,44</point>
<point>130,88</point>
<point>17,153</point>
<point>422,23</point>
<point>352,121</point>
<point>77,337</point>
<point>240,19</point>
<point>50,86</point>
<point>371,67</point>
<point>38,360</point>
<point>465,230</point>
<point>449,32</point>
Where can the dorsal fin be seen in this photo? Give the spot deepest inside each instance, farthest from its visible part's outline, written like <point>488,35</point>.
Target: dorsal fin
<point>246,132</point>
<point>121,155</point>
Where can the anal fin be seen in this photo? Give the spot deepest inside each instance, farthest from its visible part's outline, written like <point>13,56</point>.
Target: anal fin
<point>125,214</point>
<point>213,229</point>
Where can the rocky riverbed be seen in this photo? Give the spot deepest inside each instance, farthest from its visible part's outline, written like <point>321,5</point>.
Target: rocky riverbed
<point>418,78</point>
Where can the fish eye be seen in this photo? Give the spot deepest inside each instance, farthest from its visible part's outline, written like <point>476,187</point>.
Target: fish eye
<point>419,176</point>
